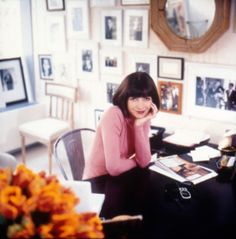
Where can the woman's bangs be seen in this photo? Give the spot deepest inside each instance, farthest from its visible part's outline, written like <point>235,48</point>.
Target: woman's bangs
<point>134,92</point>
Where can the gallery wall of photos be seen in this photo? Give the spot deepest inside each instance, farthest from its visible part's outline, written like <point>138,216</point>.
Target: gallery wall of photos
<point>95,44</point>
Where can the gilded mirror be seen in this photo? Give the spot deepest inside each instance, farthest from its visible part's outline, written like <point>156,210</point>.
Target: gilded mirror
<point>171,20</point>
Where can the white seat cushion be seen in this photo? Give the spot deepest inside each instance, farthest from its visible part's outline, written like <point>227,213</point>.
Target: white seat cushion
<point>44,130</point>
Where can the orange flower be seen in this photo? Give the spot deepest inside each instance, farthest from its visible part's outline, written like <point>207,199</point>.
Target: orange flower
<point>5,177</point>
<point>11,201</point>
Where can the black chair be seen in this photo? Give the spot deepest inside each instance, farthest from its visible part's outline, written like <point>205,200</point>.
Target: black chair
<point>71,150</point>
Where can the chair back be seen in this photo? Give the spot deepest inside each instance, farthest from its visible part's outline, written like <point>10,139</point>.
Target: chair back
<point>62,99</point>
<point>71,151</point>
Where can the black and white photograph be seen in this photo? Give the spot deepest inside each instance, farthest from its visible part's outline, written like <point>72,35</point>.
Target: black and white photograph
<point>55,5</point>
<point>111,62</point>
<point>111,23</point>
<point>111,89</point>
<point>216,93</point>
<point>98,115</point>
<point>211,92</point>
<point>46,67</point>
<point>87,61</point>
<point>143,67</point>
<point>12,81</point>
<point>136,27</point>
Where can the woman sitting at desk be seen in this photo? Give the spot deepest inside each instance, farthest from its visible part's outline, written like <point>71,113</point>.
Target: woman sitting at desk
<point>122,137</point>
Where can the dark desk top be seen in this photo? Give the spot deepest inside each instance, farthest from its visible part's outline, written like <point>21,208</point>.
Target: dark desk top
<point>210,213</point>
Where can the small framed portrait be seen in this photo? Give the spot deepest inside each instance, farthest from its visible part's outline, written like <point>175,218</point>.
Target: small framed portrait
<point>170,67</point>
<point>12,82</point>
<point>46,67</point>
<point>136,27</point>
<point>78,19</point>
<point>111,61</point>
<point>135,2</point>
<point>55,5</point>
<point>170,96</point>
<point>111,23</point>
<point>111,89</point>
<point>146,63</point>
<point>97,115</point>
<point>87,59</point>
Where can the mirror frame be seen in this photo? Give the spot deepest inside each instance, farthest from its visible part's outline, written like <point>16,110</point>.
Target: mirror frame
<point>174,42</point>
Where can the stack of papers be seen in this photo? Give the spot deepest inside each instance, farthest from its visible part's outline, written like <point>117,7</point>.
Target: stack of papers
<point>204,153</point>
<point>187,138</point>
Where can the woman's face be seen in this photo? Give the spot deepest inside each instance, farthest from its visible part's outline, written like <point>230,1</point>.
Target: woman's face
<point>139,107</point>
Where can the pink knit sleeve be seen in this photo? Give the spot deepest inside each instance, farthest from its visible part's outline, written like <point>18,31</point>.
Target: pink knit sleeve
<point>142,145</point>
<point>111,128</point>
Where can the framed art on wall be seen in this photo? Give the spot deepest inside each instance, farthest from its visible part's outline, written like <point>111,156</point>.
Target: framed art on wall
<point>111,61</point>
<point>111,23</point>
<point>111,89</point>
<point>78,19</point>
<point>87,59</point>
<point>146,63</point>
<point>136,27</point>
<point>46,67</point>
<point>211,91</point>
<point>170,67</point>
<point>55,5</point>
<point>170,97</point>
<point>12,81</point>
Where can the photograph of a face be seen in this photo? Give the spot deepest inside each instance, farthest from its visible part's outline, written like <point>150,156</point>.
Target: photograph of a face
<point>171,97</point>
<point>45,67</point>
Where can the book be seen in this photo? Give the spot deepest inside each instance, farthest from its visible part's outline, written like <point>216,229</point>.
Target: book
<point>175,167</point>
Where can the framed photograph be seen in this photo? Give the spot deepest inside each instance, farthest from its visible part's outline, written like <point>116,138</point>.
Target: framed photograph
<point>97,114</point>
<point>87,58</point>
<point>111,89</point>
<point>135,2</point>
<point>146,63</point>
<point>170,67</point>
<point>46,67</point>
<point>136,27</point>
<point>211,91</point>
<point>111,61</point>
<point>170,96</point>
<point>111,23</point>
<point>55,5</point>
<point>56,39</point>
<point>13,87</point>
<point>78,19</point>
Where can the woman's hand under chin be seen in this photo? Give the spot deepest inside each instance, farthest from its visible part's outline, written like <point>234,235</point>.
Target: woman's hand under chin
<point>151,115</point>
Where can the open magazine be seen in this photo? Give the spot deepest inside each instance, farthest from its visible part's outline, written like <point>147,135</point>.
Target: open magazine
<point>181,170</point>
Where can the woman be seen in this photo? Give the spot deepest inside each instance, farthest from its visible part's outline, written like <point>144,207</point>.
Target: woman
<point>122,137</point>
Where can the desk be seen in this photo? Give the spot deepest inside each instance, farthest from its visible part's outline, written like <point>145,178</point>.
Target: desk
<point>210,213</point>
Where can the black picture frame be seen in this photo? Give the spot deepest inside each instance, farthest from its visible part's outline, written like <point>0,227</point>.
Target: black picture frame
<point>170,67</point>
<point>46,67</point>
<point>55,5</point>
<point>12,81</point>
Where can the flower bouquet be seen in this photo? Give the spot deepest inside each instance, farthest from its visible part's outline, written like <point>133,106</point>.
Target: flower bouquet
<point>38,206</point>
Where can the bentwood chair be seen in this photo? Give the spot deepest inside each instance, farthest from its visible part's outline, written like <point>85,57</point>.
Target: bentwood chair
<point>71,151</point>
<point>61,119</point>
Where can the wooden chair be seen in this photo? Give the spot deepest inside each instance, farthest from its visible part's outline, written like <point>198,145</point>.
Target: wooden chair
<point>71,150</point>
<point>60,119</point>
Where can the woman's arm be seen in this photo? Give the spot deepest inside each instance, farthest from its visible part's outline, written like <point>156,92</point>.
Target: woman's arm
<point>111,136</point>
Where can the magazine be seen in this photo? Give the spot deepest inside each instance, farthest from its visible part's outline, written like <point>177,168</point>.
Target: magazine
<point>182,170</point>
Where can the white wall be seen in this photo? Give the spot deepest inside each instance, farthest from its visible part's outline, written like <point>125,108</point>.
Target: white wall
<point>93,91</point>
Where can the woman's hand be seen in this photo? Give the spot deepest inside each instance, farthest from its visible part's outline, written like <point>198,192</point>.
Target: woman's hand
<point>151,114</point>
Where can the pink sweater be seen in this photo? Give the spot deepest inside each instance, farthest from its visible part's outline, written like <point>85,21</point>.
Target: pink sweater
<point>116,140</point>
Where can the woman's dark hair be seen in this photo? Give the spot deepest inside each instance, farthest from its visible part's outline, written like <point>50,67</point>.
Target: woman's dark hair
<point>137,84</point>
